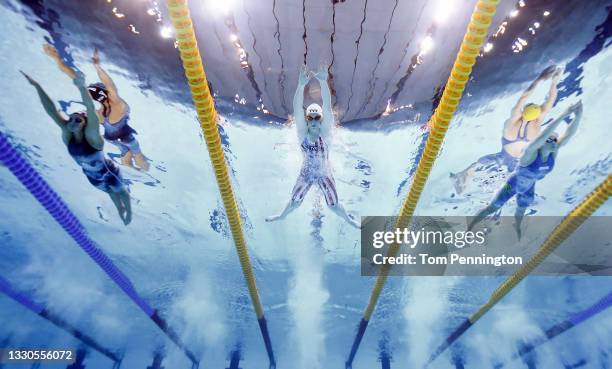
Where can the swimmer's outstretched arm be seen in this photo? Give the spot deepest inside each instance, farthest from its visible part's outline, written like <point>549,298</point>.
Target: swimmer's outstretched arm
<point>53,54</point>
<point>92,129</point>
<point>113,95</point>
<point>552,93</point>
<point>298,103</point>
<point>328,113</point>
<point>518,107</point>
<point>573,126</point>
<point>47,103</point>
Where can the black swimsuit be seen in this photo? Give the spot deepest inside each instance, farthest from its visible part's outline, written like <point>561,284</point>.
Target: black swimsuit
<point>101,173</point>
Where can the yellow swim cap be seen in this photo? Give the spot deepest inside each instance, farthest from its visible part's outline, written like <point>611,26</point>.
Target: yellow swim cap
<point>531,112</point>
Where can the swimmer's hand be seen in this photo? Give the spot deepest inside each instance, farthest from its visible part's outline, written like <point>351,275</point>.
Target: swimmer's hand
<point>548,72</point>
<point>577,110</point>
<point>32,81</point>
<point>96,57</point>
<point>557,74</point>
<point>577,107</point>
<point>304,76</point>
<point>322,73</point>
<point>574,108</point>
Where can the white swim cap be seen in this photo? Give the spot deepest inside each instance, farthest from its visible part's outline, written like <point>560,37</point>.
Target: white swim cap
<point>314,110</point>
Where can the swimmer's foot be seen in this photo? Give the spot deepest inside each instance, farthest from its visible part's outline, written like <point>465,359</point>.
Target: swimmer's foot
<point>127,159</point>
<point>458,182</point>
<point>141,162</point>
<point>126,219</point>
<point>517,228</point>
<point>273,218</point>
<point>352,221</point>
<point>125,216</point>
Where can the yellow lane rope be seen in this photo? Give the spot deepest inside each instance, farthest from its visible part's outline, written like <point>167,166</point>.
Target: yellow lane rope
<point>207,115</point>
<point>569,224</point>
<point>466,58</point>
<point>561,232</point>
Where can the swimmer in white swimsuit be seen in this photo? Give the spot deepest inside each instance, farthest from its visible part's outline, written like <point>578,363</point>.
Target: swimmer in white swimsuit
<point>313,131</point>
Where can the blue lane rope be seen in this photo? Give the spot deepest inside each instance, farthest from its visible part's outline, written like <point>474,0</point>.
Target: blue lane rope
<point>23,299</point>
<point>51,201</point>
<point>464,326</point>
<point>20,297</point>
<point>572,321</point>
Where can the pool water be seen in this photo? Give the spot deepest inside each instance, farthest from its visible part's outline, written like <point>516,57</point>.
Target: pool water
<point>178,250</point>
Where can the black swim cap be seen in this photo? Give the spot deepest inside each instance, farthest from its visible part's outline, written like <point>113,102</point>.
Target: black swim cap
<point>98,91</point>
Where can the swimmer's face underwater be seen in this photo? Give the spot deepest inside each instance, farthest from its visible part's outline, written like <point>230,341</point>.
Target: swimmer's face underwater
<point>314,124</point>
<point>314,118</point>
<point>551,142</point>
<point>76,122</point>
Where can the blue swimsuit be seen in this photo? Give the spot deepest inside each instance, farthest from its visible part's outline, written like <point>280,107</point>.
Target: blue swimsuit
<point>121,134</point>
<point>101,173</point>
<point>503,157</point>
<point>523,180</point>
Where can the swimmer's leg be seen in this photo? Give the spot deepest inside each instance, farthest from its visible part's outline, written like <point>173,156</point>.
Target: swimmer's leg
<point>141,161</point>
<point>342,213</point>
<point>121,209</point>
<point>127,205</point>
<point>126,154</point>
<point>518,219</point>
<point>134,149</point>
<point>127,159</point>
<point>523,200</point>
<point>460,179</point>
<point>291,206</point>
<point>118,193</point>
<point>490,209</point>
<point>297,196</point>
<point>502,196</point>
<point>328,187</point>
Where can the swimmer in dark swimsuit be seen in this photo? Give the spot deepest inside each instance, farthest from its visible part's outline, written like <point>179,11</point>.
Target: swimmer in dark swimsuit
<point>537,161</point>
<point>114,113</point>
<point>80,133</point>
<point>115,116</point>
<point>521,128</point>
<point>313,132</point>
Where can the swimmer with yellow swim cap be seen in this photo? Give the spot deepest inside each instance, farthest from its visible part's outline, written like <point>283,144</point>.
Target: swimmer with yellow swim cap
<point>531,112</point>
<point>537,161</point>
<point>520,129</point>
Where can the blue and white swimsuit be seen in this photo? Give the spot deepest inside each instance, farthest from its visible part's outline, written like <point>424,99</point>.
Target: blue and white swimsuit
<point>315,169</point>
